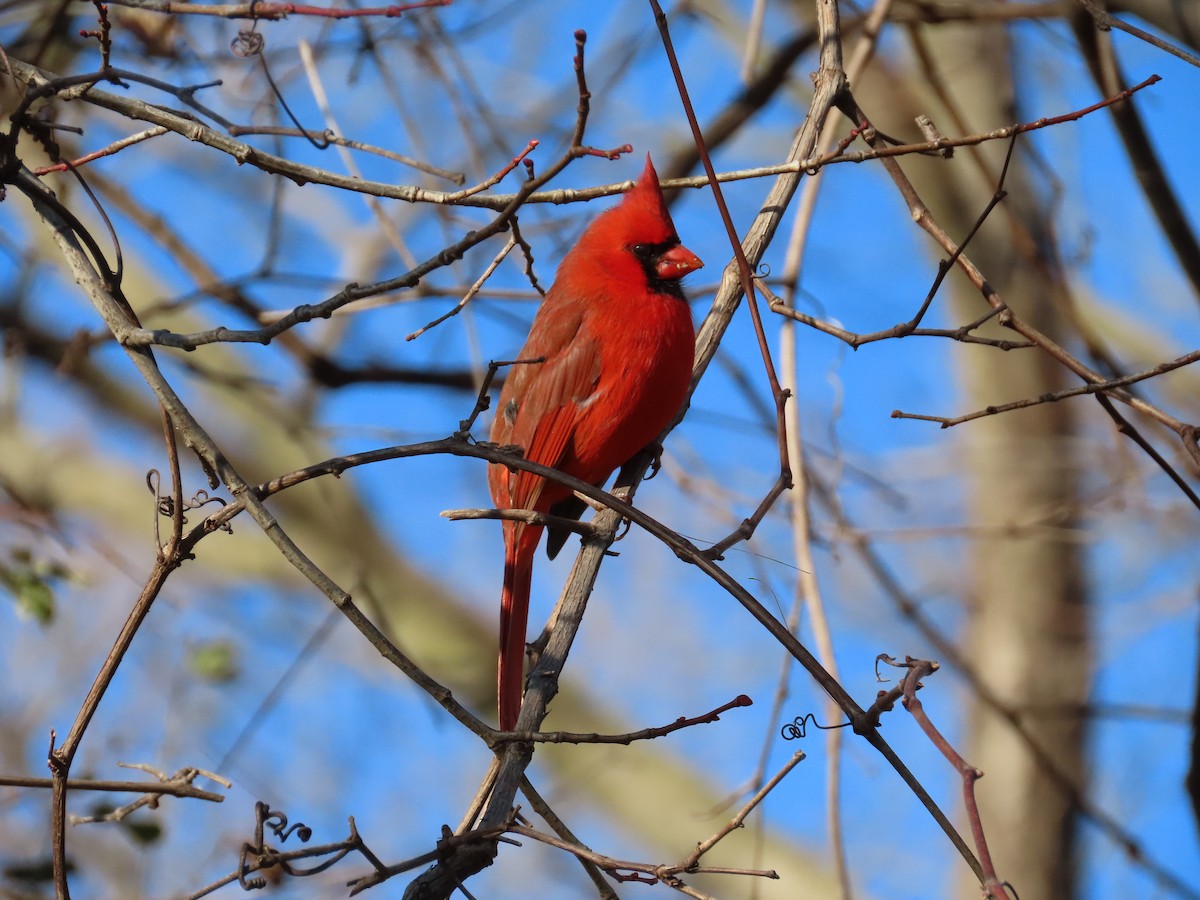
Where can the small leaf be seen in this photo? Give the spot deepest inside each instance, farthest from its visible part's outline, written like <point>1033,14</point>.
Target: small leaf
<point>34,871</point>
<point>30,581</point>
<point>215,661</point>
<point>143,831</point>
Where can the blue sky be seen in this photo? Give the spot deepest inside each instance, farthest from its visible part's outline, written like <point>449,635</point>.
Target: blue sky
<point>348,731</point>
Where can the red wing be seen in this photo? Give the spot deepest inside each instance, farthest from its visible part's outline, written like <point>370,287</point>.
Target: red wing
<point>541,402</point>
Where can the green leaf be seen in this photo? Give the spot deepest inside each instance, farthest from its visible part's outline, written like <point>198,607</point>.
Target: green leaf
<point>215,661</point>
<point>143,831</point>
<point>31,582</point>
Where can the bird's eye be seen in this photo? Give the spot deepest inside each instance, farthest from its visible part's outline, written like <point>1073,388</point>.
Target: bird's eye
<point>649,253</point>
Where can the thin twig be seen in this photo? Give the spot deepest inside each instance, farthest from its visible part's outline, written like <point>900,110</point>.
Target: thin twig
<point>317,86</point>
<point>1099,387</point>
<point>271,10</point>
<point>746,275</point>
<point>111,150</point>
<point>689,864</point>
<point>471,291</point>
<point>993,888</point>
<point>645,734</point>
<point>1105,20</point>
<point>174,787</point>
<point>643,873</point>
<point>543,809</point>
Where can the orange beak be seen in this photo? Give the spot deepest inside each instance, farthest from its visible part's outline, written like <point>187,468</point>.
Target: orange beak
<point>676,263</point>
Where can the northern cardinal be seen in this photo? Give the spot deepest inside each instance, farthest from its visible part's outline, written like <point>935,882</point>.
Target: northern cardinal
<point>617,340</point>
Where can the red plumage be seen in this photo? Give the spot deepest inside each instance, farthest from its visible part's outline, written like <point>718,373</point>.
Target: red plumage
<point>617,338</point>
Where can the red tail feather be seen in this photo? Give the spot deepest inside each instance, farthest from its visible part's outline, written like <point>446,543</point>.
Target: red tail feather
<point>520,545</point>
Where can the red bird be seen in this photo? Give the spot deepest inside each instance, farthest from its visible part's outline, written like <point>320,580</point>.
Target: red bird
<point>617,338</point>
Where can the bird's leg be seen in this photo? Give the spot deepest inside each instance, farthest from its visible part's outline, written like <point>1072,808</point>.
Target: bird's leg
<point>622,530</point>
<point>655,461</point>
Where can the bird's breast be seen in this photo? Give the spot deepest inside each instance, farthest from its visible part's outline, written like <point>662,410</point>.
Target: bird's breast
<point>646,355</point>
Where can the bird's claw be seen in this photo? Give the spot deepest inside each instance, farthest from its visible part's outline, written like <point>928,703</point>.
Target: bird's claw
<point>655,463</point>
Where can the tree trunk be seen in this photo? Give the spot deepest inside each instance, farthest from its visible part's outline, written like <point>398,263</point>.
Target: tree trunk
<point>1026,601</point>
